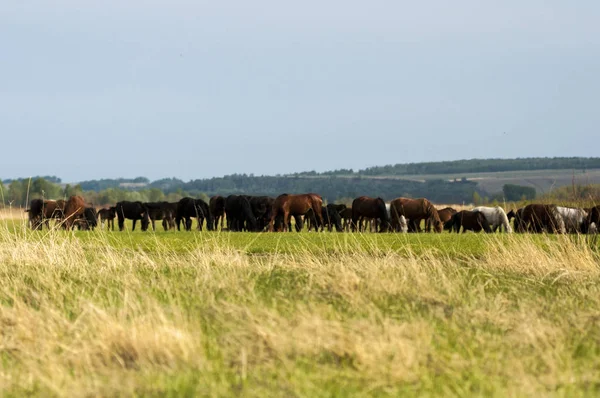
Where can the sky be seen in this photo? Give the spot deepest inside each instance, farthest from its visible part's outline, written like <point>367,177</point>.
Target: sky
<point>196,89</point>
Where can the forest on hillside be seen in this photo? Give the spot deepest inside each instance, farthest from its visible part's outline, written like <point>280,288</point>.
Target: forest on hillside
<point>337,185</point>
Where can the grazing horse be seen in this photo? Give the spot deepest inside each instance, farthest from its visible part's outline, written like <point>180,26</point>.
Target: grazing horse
<point>415,210</point>
<point>189,207</point>
<point>216,205</point>
<point>469,220</point>
<point>574,218</point>
<point>593,220</point>
<point>496,217</point>
<point>74,208</point>
<point>41,211</point>
<point>445,215</point>
<point>88,220</point>
<point>518,216</point>
<point>346,215</point>
<point>107,215</point>
<point>397,224</point>
<point>286,206</point>
<point>262,206</point>
<point>373,208</point>
<point>164,211</point>
<point>133,211</point>
<point>537,218</point>
<point>331,218</point>
<point>239,213</point>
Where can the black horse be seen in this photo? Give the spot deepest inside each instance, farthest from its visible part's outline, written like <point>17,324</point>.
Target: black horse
<point>132,211</point>
<point>190,207</point>
<point>468,220</point>
<point>239,213</point>
<point>262,206</point>
<point>164,211</point>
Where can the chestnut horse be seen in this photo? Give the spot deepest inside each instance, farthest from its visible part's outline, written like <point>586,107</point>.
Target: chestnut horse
<point>370,208</point>
<point>74,208</point>
<point>415,210</point>
<point>445,215</point>
<point>286,206</point>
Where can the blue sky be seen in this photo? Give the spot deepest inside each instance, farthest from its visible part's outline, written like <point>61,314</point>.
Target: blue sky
<point>194,89</point>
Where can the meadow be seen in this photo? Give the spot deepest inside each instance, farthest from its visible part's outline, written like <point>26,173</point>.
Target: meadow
<point>288,314</point>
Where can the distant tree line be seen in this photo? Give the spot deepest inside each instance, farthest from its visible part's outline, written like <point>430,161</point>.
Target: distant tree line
<point>18,192</point>
<point>471,166</point>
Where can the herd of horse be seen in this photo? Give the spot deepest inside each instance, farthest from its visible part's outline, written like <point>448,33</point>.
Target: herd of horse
<point>264,213</point>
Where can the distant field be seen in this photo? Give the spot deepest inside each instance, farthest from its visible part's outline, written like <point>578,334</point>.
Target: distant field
<point>310,314</point>
<point>542,180</point>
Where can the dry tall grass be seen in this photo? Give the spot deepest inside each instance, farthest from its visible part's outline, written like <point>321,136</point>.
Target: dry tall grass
<point>83,317</point>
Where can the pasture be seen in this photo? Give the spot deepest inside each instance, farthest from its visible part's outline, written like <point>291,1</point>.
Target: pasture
<point>297,314</point>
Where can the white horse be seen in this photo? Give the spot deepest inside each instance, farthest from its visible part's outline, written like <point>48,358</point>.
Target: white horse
<point>572,217</point>
<point>496,217</point>
<point>401,219</point>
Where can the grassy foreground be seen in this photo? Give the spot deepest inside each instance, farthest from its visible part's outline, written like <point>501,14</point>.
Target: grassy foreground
<point>221,314</point>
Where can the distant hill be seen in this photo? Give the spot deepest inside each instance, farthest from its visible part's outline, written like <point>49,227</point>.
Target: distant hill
<point>470,166</point>
<point>442,182</point>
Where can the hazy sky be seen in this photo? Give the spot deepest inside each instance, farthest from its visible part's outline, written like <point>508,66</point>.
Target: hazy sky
<point>195,89</point>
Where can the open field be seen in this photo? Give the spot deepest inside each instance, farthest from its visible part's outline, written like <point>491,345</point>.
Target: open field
<point>542,180</point>
<point>310,314</point>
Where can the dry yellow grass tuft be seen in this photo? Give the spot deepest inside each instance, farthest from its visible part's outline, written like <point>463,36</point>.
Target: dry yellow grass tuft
<point>103,314</point>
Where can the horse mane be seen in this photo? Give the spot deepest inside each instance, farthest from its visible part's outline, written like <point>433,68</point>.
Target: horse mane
<point>431,211</point>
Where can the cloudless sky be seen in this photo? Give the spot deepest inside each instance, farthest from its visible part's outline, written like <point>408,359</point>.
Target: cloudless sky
<point>195,89</point>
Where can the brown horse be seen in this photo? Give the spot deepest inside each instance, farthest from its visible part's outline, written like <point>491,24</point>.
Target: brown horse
<point>216,205</point>
<point>538,218</point>
<point>74,208</point>
<point>415,210</point>
<point>365,207</point>
<point>445,215</point>
<point>286,206</point>
<point>469,221</point>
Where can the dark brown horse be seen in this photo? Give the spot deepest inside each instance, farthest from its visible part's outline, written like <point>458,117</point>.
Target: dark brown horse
<point>593,217</point>
<point>539,218</point>
<point>74,209</point>
<point>107,215</point>
<point>445,215</point>
<point>216,205</point>
<point>519,226</point>
<point>41,211</point>
<point>286,206</point>
<point>415,210</point>
<point>346,215</point>
<point>365,207</point>
<point>469,221</point>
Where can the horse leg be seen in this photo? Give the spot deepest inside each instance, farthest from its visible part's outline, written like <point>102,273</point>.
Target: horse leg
<point>134,222</point>
<point>286,215</point>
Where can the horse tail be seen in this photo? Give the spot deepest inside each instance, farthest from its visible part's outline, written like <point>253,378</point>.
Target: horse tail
<point>504,219</point>
<point>383,210</point>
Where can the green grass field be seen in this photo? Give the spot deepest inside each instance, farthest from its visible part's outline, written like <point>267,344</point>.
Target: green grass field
<point>310,314</point>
